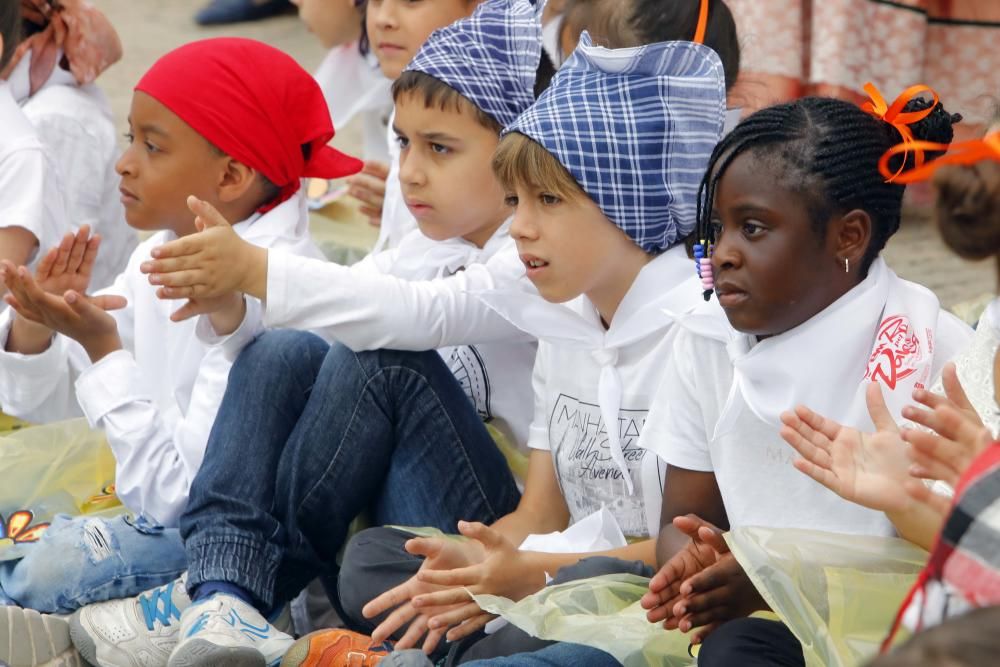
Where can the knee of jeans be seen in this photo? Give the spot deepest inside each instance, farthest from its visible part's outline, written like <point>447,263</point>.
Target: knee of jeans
<point>291,346</point>
<point>597,566</point>
<point>52,572</point>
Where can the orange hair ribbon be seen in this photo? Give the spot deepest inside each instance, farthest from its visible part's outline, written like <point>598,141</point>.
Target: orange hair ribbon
<point>899,119</point>
<point>966,152</point>
<point>699,34</point>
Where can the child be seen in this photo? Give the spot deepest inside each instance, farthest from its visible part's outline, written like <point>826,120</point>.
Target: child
<point>31,209</point>
<point>396,30</point>
<point>798,213</point>
<point>958,448</point>
<point>603,171</point>
<point>358,431</point>
<point>151,385</point>
<point>73,119</point>
<point>353,84</point>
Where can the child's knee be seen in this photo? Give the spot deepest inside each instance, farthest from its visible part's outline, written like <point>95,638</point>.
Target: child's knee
<point>374,562</point>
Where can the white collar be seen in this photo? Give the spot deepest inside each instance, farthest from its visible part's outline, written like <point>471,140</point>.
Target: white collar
<point>883,330</point>
<point>421,258</point>
<point>665,288</point>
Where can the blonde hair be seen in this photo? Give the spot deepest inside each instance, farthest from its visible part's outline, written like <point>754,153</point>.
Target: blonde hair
<point>521,161</point>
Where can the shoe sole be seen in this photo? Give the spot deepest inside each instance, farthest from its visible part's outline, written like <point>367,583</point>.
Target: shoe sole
<point>82,640</point>
<point>30,638</point>
<point>203,653</point>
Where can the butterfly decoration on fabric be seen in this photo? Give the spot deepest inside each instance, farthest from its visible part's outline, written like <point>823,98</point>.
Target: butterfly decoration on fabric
<point>16,527</point>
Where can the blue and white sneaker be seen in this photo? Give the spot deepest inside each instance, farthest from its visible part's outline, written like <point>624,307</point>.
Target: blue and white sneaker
<point>132,632</point>
<point>224,631</point>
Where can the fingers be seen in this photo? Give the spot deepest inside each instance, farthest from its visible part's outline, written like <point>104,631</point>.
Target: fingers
<point>703,633</point>
<point>489,537</point>
<point>819,474</point>
<point>414,633</point>
<point>431,641</point>
<point>799,435</point>
<point>399,617</point>
<point>191,308</point>
<point>953,388</point>
<point>428,547</point>
<point>444,598</point>
<point>391,599</point>
<point>44,268</point>
<point>817,422</point>
<point>689,524</point>
<point>62,258</point>
<point>189,245</point>
<point>158,267</point>
<point>878,410</point>
<point>190,279</point>
<point>376,168</point>
<point>463,576</point>
<point>469,627</point>
<point>208,214</point>
<point>952,424</point>
<point>713,538</point>
<point>367,189</point>
<point>922,494</point>
<point>108,302</point>
<point>78,250</point>
<point>452,617</point>
<point>90,255</point>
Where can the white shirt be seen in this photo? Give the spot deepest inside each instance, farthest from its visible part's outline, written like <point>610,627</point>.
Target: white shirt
<point>415,297</point>
<point>397,221</point>
<point>29,197</point>
<point>157,398</point>
<point>586,376</point>
<point>701,422</point>
<point>353,84</point>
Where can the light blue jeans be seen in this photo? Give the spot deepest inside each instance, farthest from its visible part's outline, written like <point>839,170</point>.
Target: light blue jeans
<point>83,560</point>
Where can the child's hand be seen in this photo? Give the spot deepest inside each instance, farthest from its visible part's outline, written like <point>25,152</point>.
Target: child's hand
<point>957,439</point>
<point>69,265</point>
<point>368,187</point>
<point>954,395</point>
<point>864,468</point>
<point>701,552</point>
<point>438,553</point>
<point>720,593</point>
<point>73,314</point>
<point>212,263</point>
<point>504,571</point>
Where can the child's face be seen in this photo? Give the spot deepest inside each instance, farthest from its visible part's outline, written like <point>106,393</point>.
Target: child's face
<point>445,171</point>
<point>772,271</point>
<point>166,161</point>
<point>334,22</point>
<point>398,28</point>
<point>569,247</point>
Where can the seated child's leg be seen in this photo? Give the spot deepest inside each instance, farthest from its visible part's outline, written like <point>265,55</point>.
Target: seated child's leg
<point>751,642</point>
<point>377,424</point>
<point>84,560</point>
<point>556,655</point>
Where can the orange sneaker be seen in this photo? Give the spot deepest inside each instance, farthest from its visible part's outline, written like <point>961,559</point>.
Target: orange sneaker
<point>335,648</point>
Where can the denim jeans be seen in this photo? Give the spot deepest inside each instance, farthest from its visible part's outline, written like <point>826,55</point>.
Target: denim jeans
<point>308,437</point>
<point>82,560</point>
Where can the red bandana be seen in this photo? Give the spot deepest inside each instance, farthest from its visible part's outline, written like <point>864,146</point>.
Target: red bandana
<point>254,103</point>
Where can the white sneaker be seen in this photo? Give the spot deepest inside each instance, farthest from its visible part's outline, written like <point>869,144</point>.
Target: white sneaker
<point>224,631</point>
<point>30,639</point>
<point>132,632</point>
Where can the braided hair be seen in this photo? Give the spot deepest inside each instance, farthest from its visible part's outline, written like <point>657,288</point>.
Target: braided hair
<point>829,150</point>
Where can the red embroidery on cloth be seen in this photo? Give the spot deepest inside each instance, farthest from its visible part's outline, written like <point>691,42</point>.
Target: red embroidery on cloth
<point>897,352</point>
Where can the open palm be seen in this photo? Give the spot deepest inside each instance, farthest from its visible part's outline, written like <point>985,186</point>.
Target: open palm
<point>69,265</point>
<point>869,469</point>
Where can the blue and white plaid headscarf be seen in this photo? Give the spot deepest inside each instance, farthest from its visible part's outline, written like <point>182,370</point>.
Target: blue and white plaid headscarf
<point>490,58</point>
<point>636,128</point>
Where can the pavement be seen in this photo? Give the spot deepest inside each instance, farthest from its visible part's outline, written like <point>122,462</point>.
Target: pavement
<point>149,28</point>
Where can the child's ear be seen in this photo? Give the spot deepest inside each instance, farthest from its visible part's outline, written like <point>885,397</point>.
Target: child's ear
<point>236,181</point>
<point>852,234</point>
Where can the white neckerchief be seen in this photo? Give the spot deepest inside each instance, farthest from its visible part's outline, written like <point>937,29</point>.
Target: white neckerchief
<point>664,287</point>
<point>991,316</point>
<point>882,330</point>
<point>551,32</point>
<point>421,258</point>
<point>20,79</point>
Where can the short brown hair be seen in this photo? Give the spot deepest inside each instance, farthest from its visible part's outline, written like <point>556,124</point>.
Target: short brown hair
<point>520,160</point>
<point>439,94</point>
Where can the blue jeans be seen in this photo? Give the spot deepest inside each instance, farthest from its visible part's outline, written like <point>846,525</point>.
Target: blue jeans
<point>82,560</point>
<point>556,655</point>
<point>308,437</point>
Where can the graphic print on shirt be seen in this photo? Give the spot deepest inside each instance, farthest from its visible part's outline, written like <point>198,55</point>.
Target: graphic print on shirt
<point>588,475</point>
<point>897,354</point>
<point>468,367</point>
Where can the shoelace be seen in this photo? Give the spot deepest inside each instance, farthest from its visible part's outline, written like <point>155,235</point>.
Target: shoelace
<point>158,605</point>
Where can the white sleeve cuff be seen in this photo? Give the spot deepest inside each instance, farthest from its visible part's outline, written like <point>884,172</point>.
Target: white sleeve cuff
<point>24,376</point>
<point>232,344</point>
<point>275,307</point>
<point>538,438</point>
<point>112,382</point>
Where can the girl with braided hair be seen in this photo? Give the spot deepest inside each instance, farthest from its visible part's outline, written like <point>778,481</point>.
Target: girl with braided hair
<point>793,215</point>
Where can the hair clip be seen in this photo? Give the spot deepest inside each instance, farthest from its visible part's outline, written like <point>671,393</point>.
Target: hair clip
<point>703,265</point>
<point>964,153</point>
<point>899,119</point>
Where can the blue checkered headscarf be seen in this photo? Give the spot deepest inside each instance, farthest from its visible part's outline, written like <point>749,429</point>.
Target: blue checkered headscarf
<point>636,128</point>
<point>490,58</point>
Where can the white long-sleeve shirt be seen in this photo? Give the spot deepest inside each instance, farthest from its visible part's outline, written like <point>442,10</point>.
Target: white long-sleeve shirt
<point>156,398</point>
<point>417,296</point>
